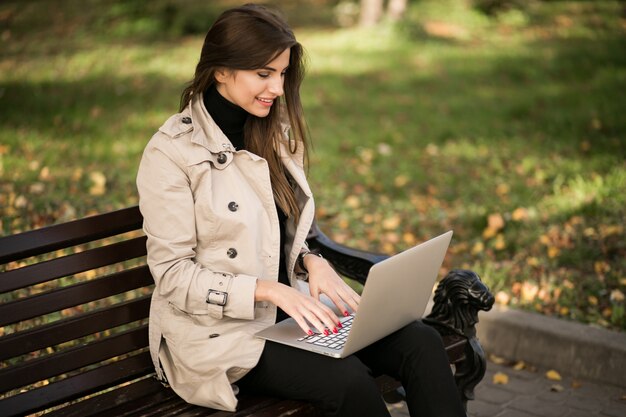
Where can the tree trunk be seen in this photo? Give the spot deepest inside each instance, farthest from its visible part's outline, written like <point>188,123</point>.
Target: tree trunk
<point>396,9</point>
<point>371,12</point>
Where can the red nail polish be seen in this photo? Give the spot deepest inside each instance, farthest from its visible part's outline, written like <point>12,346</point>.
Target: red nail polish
<point>335,330</point>
<point>345,313</point>
<point>310,332</point>
<point>340,325</point>
<point>326,332</point>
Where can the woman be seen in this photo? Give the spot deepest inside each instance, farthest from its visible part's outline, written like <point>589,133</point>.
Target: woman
<point>226,209</point>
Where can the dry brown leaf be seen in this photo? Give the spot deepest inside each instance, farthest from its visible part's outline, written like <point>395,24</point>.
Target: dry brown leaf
<point>392,222</point>
<point>520,214</point>
<point>353,202</point>
<point>519,365</point>
<point>500,378</point>
<point>557,388</point>
<point>495,221</point>
<point>400,181</point>
<point>553,375</point>
<point>497,359</point>
<point>98,180</point>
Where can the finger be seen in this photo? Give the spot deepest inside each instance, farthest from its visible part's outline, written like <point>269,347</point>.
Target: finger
<point>325,316</point>
<point>315,291</point>
<point>354,301</point>
<point>340,302</point>
<point>316,322</point>
<point>349,297</point>
<point>303,325</point>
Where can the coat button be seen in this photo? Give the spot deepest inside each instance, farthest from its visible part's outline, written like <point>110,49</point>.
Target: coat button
<point>186,120</point>
<point>221,158</point>
<point>232,206</point>
<point>232,253</point>
<point>213,336</point>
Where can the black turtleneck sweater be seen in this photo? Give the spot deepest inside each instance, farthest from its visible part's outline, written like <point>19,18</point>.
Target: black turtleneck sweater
<point>231,119</point>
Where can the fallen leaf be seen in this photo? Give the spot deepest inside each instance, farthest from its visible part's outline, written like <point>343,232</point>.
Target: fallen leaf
<point>497,359</point>
<point>557,388</point>
<point>98,180</point>
<point>553,375</point>
<point>409,238</point>
<point>553,252</point>
<point>576,384</point>
<point>520,214</point>
<point>500,378</point>
<point>502,190</point>
<point>392,222</point>
<point>400,181</point>
<point>519,366</point>
<point>500,242</point>
<point>617,296</point>
<point>478,248</point>
<point>502,298</point>
<point>495,221</point>
<point>353,202</point>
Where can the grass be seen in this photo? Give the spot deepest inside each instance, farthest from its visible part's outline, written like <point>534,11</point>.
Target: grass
<point>509,130</point>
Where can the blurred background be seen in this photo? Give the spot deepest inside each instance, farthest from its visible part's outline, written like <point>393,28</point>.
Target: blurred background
<point>504,120</point>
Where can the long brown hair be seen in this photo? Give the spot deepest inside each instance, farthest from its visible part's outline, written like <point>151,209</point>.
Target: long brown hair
<point>248,38</point>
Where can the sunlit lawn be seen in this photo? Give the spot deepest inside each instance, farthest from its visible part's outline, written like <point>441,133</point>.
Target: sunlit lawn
<point>510,132</point>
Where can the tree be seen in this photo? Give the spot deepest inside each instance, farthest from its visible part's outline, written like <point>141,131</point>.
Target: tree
<point>372,11</point>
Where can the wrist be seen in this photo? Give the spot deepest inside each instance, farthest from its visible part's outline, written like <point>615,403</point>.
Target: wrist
<point>264,290</point>
<point>309,259</point>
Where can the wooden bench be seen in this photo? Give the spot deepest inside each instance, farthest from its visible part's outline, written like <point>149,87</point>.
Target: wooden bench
<point>74,308</point>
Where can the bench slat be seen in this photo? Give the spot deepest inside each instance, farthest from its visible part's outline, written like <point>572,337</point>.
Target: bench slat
<point>72,264</point>
<point>73,358</point>
<point>72,328</point>
<point>55,300</point>
<point>77,386</point>
<point>136,396</point>
<point>48,239</point>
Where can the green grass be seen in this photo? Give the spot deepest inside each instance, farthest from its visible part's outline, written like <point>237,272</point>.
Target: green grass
<point>509,130</point>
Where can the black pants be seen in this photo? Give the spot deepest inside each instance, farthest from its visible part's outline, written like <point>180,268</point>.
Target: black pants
<point>345,387</point>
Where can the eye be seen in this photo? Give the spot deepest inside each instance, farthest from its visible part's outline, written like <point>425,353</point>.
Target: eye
<point>263,74</point>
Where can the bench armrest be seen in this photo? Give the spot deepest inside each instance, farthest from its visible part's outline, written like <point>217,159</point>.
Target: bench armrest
<point>351,263</point>
<point>459,296</point>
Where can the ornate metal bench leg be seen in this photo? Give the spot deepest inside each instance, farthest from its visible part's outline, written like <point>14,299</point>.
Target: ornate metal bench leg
<point>471,371</point>
<point>458,299</point>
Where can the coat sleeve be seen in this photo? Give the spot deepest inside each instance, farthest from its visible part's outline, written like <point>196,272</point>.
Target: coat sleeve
<point>167,205</point>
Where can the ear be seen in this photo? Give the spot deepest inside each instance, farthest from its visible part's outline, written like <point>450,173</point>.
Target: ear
<point>222,74</point>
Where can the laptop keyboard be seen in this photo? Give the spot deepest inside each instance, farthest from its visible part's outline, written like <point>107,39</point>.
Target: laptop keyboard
<point>334,340</point>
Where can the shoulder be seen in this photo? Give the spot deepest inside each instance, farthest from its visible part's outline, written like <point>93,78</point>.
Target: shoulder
<point>172,138</point>
<point>177,125</point>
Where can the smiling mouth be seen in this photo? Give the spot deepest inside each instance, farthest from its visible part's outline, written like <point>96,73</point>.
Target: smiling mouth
<point>265,100</point>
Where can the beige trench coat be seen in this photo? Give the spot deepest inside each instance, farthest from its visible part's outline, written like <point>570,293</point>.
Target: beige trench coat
<point>211,223</point>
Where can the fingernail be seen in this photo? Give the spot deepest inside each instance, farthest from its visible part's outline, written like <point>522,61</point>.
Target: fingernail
<point>326,332</point>
<point>345,313</point>
<point>310,332</point>
<point>335,330</point>
<point>340,325</point>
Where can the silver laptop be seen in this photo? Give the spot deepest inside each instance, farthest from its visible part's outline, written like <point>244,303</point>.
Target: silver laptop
<point>395,294</point>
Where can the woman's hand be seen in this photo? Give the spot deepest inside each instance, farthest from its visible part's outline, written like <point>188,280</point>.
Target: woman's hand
<point>324,280</point>
<point>298,305</point>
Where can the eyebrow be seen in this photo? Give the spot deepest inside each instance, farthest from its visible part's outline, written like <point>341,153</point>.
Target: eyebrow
<point>272,69</point>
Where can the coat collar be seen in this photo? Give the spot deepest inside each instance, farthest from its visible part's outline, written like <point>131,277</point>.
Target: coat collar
<point>206,132</point>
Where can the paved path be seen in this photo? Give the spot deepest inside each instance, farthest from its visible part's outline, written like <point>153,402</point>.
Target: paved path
<point>529,393</point>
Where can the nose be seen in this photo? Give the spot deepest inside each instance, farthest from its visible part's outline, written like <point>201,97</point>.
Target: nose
<point>276,86</point>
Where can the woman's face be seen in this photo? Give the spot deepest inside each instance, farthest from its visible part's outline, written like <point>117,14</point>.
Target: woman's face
<point>255,90</point>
